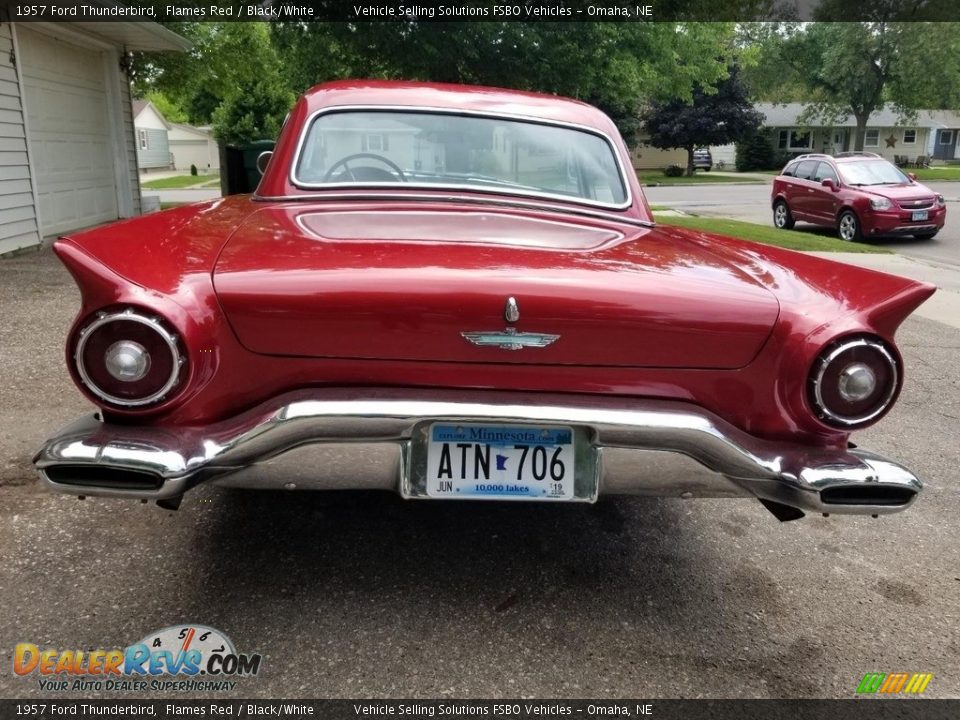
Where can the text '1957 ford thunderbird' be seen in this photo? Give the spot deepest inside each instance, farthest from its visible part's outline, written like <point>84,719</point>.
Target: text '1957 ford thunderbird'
<point>459,293</point>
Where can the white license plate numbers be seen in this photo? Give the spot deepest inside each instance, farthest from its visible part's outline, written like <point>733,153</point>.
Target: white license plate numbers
<point>500,462</point>
<point>919,215</point>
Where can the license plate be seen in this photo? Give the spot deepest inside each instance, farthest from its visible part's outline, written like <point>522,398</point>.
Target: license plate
<point>500,462</point>
<point>920,215</point>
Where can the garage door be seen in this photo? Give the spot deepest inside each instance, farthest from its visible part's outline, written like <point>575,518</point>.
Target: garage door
<point>69,132</point>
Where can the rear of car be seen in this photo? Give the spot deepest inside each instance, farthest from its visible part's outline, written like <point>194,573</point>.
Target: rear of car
<point>458,293</point>
<point>702,159</point>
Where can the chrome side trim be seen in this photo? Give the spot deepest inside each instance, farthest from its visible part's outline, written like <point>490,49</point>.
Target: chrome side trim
<point>328,421</point>
<point>308,124</point>
<point>360,195</point>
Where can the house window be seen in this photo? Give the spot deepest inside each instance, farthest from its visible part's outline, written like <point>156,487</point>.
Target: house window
<point>143,139</point>
<point>872,138</point>
<point>946,137</point>
<point>374,142</point>
<point>909,137</point>
<point>794,140</point>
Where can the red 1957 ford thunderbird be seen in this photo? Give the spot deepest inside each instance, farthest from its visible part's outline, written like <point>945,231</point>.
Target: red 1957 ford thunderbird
<point>459,293</point>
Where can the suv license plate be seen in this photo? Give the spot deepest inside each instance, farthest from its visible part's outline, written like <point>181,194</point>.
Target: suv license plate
<point>919,215</point>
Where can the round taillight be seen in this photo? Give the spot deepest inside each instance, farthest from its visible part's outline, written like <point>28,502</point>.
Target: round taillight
<point>853,381</point>
<point>128,358</point>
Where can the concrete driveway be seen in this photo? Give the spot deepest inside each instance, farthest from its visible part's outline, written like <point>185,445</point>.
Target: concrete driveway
<point>751,203</point>
<point>355,594</point>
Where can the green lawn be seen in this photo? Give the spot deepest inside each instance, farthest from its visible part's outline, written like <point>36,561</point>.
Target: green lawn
<point>949,172</point>
<point>655,177</point>
<point>177,181</point>
<point>791,239</point>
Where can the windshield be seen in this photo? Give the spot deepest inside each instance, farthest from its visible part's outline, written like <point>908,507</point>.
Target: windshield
<point>438,150</point>
<point>871,172</point>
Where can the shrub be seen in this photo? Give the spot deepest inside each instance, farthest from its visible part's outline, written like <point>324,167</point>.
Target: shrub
<point>193,170</point>
<point>755,153</point>
<point>673,171</point>
<point>781,158</point>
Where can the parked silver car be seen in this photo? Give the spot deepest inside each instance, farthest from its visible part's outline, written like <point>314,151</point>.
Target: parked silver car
<point>702,159</point>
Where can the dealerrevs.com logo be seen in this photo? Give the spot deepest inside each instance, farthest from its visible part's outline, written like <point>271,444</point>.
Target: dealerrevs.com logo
<point>177,658</point>
<point>894,683</point>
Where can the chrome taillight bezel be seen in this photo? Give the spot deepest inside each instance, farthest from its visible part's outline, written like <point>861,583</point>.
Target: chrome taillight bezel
<point>169,339</point>
<point>824,361</point>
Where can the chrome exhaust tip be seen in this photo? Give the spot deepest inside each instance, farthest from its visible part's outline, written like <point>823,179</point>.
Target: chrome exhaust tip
<point>103,477</point>
<point>868,494</point>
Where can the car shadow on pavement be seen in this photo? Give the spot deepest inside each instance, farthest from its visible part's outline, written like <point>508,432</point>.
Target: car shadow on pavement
<point>557,581</point>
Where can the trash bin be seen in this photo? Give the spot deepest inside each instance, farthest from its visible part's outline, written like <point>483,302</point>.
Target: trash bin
<point>238,166</point>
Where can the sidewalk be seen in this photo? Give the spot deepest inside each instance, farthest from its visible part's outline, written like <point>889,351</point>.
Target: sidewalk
<point>164,174</point>
<point>745,176</point>
<point>943,307</point>
<point>184,195</point>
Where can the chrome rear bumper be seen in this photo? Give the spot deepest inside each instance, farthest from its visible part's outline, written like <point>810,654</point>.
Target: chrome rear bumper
<point>352,439</point>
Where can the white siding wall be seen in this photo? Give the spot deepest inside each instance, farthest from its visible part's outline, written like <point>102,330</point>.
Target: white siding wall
<point>724,153</point>
<point>18,219</point>
<point>130,141</point>
<point>148,118</point>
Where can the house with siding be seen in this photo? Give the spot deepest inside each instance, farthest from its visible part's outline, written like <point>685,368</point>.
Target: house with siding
<point>165,145</point>
<point>153,137</point>
<point>191,145</point>
<point>67,140</point>
<point>932,134</point>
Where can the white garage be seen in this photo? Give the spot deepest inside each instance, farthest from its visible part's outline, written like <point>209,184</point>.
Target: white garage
<point>71,139</point>
<point>195,146</point>
<point>67,152</point>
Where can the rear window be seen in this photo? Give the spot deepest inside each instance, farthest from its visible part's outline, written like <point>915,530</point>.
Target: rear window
<point>438,150</point>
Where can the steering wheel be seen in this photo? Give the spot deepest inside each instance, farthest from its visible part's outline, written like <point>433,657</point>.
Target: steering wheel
<point>364,170</point>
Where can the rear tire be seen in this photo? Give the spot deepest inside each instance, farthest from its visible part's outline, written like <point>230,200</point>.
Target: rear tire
<point>926,235</point>
<point>782,217</point>
<point>848,227</point>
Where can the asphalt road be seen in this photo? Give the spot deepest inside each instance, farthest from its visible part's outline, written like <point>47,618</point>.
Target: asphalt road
<point>368,595</point>
<point>751,203</point>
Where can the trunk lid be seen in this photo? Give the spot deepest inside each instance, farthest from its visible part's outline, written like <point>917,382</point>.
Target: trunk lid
<point>393,283</point>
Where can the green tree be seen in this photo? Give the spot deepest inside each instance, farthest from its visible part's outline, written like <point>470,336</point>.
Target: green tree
<point>169,109</point>
<point>255,114</point>
<point>716,115</point>
<point>612,65</point>
<point>856,68</point>
<point>227,59</point>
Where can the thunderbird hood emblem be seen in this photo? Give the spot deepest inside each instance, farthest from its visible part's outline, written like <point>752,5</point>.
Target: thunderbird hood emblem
<point>509,339</point>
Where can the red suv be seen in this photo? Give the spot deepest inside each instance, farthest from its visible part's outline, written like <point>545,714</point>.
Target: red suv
<point>860,194</point>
